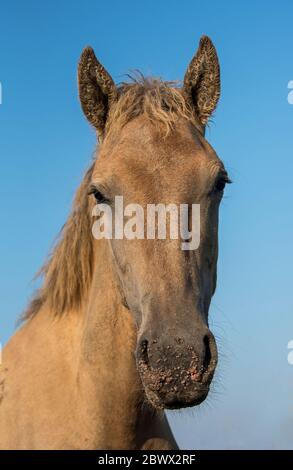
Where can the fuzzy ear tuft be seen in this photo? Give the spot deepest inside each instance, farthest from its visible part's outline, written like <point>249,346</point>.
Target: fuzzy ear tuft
<point>201,84</point>
<point>97,90</point>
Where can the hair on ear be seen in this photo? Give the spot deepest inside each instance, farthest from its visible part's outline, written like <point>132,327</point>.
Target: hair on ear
<point>201,84</point>
<point>97,90</point>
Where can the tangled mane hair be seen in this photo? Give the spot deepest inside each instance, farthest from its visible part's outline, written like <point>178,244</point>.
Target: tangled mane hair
<point>67,273</point>
<point>161,102</point>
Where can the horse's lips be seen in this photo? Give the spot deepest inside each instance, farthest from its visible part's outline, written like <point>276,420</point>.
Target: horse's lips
<point>164,393</point>
<point>175,401</point>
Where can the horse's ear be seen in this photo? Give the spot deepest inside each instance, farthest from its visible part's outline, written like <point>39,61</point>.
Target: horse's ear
<point>201,84</point>
<point>97,90</point>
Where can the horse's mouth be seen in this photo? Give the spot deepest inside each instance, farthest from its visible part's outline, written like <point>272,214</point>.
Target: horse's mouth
<point>173,389</point>
<point>171,400</point>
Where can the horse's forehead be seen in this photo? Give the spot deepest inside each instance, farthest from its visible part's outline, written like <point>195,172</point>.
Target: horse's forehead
<point>156,138</point>
<point>142,146</point>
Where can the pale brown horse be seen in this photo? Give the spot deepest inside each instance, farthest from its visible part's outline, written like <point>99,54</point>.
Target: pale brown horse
<point>119,330</point>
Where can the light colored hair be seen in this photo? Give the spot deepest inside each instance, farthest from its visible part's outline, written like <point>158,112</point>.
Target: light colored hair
<point>68,271</point>
<point>161,102</point>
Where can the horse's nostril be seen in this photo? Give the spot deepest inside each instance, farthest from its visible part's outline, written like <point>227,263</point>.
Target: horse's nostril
<point>207,354</point>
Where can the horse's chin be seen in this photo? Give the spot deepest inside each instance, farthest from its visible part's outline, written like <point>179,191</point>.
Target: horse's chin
<point>177,400</point>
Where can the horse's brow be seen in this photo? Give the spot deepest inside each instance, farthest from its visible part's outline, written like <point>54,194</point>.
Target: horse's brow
<point>98,184</point>
<point>217,168</point>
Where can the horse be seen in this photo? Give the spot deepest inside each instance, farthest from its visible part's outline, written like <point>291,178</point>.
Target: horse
<point>118,332</point>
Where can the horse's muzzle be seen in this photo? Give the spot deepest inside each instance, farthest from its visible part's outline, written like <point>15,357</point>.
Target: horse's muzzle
<point>175,371</point>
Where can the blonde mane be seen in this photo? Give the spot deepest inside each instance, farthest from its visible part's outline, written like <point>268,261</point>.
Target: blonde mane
<point>161,102</point>
<point>67,274</point>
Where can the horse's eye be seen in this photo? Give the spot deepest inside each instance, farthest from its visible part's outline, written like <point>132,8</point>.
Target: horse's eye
<point>98,195</point>
<point>221,183</point>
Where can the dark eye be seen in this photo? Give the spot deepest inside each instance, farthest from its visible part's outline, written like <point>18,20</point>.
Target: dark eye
<point>98,195</point>
<point>221,183</point>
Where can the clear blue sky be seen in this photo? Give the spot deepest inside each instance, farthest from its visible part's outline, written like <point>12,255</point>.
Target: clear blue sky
<point>45,145</point>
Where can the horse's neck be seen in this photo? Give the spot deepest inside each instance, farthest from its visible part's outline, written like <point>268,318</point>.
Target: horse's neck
<point>87,389</point>
<point>107,374</point>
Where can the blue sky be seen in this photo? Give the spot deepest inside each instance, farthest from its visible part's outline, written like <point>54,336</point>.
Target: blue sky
<point>46,144</point>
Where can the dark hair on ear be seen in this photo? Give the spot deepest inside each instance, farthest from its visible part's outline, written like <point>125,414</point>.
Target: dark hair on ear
<point>202,80</point>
